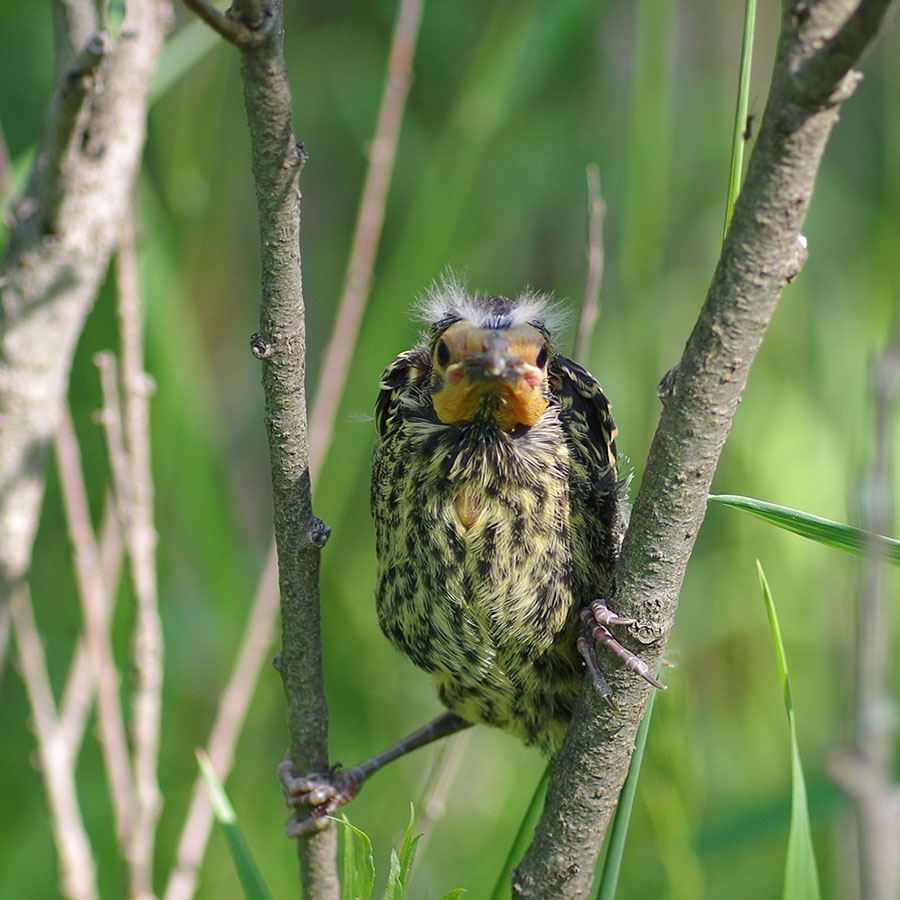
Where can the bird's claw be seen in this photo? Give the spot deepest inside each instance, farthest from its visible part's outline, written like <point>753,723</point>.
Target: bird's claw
<point>319,794</point>
<point>597,618</point>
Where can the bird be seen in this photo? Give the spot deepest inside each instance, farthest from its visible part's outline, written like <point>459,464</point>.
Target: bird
<point>498,512</point>
<point>499,515</point>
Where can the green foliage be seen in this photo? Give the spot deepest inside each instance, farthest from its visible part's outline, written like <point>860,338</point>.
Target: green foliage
<point>250,878</point>
<point>357,864</point>
<point>739,137</point>
<point>801,877</point>
<point>824,531</point>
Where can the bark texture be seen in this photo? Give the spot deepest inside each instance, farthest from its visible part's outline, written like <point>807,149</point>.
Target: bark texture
<point>62,237</point>
<point>281,344</point>
<point>763,251</point>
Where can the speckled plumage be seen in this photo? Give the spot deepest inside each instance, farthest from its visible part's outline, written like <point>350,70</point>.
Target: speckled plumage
<point>491,539</point>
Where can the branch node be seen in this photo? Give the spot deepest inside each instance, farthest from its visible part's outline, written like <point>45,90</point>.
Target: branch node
<point>798,260</point>
<point>319,533</point>
<point>261,347</point>
<point>665,390</point>
<point>846,87</point>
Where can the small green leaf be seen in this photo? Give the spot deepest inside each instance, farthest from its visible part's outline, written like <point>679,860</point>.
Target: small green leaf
<point>250,878</point>
<point>455,894</point>
<point>801,879</point>
<point>832,534</point>
<point>357,863</point>
<point>401,864</point>
<point>740,113</point>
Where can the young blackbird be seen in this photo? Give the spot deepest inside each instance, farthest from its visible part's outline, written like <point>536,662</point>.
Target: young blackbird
<point>498,520</point>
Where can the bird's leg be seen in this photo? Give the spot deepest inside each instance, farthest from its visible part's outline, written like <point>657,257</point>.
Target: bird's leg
<point>597,618</point>
<point>321,793</point>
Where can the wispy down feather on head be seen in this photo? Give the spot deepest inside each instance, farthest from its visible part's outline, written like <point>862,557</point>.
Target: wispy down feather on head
<point>449,299</point>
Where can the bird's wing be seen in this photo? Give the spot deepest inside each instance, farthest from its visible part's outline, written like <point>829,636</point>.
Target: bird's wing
<point>584,411</point>
<point>408,371</point>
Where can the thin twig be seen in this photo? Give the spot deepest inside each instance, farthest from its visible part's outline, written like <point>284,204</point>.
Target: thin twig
<point>109,417</point>
<point>344,334</point>
<point>141,539</point>
<point>867,774</point>
<point>96,606</point>
<point>590,309</point>
<point>77,873</point>
<point>235,32</point>
<point>78,694</point>
<point>232,712</point>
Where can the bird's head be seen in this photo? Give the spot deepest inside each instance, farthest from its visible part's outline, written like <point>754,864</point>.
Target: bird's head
<point>489,357</point>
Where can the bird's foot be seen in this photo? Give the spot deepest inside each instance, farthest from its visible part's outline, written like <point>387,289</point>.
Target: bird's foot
<point>597,618</point>
<point>319,794</point>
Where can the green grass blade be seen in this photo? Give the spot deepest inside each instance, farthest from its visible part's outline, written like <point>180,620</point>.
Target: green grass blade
<point>609,877</point>
<point>523,835</point>
<point>401,863</point>
<point>801,879</point>
<point>357,863</point>
<point>250,878</point>
<point>832,534</point>
<point>740,113</point>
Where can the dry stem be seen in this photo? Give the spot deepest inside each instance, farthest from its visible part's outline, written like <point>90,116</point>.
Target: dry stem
<point>96,607</point>
<point>77,875</point>
<point>590,309</point>
<point>867,774</point>
<point>140,538</point>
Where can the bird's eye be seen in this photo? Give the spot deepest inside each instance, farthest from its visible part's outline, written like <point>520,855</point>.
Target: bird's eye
<point>541,360</point>
<point>443,353</point>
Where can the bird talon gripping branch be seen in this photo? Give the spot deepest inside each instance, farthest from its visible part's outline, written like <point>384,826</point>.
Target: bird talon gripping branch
<point>319,794</point>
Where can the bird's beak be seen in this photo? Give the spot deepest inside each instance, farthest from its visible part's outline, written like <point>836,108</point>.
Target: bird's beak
<point>489,363</point>
<point>494,362</point>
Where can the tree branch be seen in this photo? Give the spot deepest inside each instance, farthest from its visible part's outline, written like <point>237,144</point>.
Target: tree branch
<point>65,230</point>
<point>277,159</point>
<point>762,252</point>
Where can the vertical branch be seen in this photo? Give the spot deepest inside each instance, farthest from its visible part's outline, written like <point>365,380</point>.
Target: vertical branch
<point>96,606</point>
<point>140,538</point>
<point>867,774</point>
<point>234,703</point>
<point>277,158</point>
<point>78,693</point>
<point>76,863</point>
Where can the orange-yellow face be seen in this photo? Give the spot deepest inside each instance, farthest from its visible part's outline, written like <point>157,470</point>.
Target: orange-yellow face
<point>510,363</point>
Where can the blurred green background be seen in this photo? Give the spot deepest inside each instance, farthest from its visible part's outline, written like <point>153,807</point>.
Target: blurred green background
<point>511,100</point>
